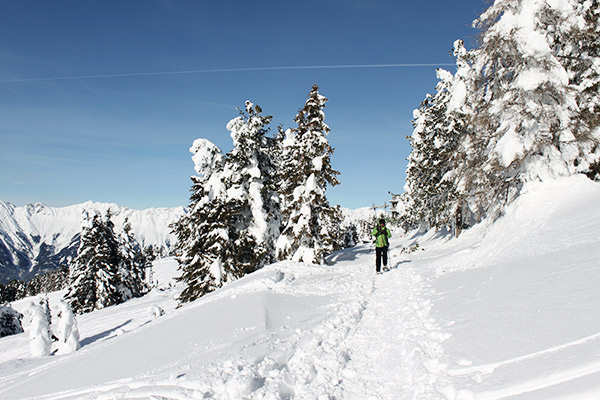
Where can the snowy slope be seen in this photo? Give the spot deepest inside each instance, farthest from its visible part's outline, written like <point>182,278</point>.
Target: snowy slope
<point>32,236</point>
<point>508,311</point>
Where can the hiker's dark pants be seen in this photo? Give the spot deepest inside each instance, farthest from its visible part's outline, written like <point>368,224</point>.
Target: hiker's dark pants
<point>380,253</point>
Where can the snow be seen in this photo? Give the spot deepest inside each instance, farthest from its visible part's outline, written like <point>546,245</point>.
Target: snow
<point>510,146</point>
<point>260,227</point>
<point>508,310</point>
<point>216,270</point>
<point>67,331</point>
<point>317,163</point>
<point>206,156</point>
<point>39,335</point>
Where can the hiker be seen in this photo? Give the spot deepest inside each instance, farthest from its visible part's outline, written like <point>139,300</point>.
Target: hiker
<point>382,235</point>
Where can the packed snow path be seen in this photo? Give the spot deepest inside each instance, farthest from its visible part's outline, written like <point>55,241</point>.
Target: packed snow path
<point>395,351</point>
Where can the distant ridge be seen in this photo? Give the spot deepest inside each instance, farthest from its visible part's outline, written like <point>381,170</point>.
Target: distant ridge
<point>35,238</point>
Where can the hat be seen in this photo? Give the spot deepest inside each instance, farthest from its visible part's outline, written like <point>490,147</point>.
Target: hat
<point>382,221</point>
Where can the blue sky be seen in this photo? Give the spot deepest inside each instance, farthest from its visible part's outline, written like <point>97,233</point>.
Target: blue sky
<point>124,137</point>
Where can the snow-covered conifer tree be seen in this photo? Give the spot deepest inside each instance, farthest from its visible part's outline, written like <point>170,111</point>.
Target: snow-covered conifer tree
<point>204,247</point>
<point>67,331</point>
<point>311,225</point>
<point>94,277</point>
<point>10,321</point>
<point>250,179</point>
<point>527,112</point>
<point>44,303</point>
<point>40,342</point>
<point>234,216</point>
<point>432,197</point>
<point>132,269</point>
<point>434,139</point>
<point>572,29</point>
<point>529,98</point>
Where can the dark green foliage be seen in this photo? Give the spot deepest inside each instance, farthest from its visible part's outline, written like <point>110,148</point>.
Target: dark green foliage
<point>204,248</point>
<point>311,228</point>
<point>45,283</point>
<point>594,171</point>
<point>234,211</point>
<point>94,277</point>
<point>133,265</point>
<point>10,321</point>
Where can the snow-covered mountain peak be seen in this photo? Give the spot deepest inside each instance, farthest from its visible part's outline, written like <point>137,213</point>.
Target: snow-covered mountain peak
<point>31,234</point>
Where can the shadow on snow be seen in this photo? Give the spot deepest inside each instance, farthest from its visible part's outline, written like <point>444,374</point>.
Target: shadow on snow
<point>102,335</point>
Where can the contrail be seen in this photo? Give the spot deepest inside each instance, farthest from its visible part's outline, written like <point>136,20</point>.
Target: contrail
<point>203,71</point>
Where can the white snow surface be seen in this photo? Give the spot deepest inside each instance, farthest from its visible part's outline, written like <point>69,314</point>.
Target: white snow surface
<point>507,311</point>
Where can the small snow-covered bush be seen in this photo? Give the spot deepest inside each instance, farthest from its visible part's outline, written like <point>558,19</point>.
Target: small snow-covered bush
<point>67,332</point>
<point>155,311</point>
<point>40,343</point>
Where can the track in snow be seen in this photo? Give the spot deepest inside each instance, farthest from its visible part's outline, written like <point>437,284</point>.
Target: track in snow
<point>396,349</point>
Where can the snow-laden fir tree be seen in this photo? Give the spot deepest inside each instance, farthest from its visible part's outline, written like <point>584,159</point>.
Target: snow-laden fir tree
<point>94,277</point>
<point>310,225</point>
<point>250,179</point>
<point>573,33</point>
<point>441,141</point>
<point>10,321</point>
<point>40,342</point>
<point>202,234</point>
<point>133,264</point>
<point>429,198</point>
<point>67,331</point>
<point>527,99</point>
<point>527,109</point>
<point>233,217</point>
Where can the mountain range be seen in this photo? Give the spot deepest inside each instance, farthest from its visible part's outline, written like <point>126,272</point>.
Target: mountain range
<point>35,238</point>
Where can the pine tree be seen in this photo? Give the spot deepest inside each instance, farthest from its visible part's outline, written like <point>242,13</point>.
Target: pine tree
<point>527,113</point>
<point>250,179</point>
<point>525,103</point>
<point>234,214</point>
<point>573,33</point>
<point>10,321</point>
<point>94,277</point>
<point>132,268</point>
<point>433,195</point>
<point>311,225</point>
<point>204,247</point>
<point>44,303</point>
<point>434,140</point>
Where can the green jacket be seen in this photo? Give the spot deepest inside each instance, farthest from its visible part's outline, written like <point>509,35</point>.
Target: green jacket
<point>381,236</point>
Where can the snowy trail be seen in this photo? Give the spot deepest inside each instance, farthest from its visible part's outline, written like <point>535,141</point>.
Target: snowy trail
<point>396,350</point>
